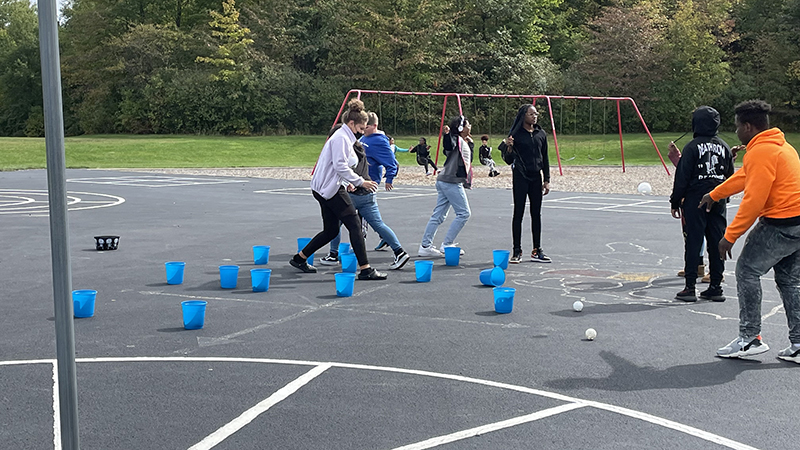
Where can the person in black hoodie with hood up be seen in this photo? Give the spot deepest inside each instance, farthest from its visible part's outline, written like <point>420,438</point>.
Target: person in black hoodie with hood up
<point>706,161</point>
<point>525,149</point>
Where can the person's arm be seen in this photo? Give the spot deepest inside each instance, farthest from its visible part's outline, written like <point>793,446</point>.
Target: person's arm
<point>413,150</point>
<point>674,154</point>
<point>340,155</point>
<point>757,186</point>
<point>683,176</point>
<point>731,186</point>
<point>382,153</point>
<point>545,162</point>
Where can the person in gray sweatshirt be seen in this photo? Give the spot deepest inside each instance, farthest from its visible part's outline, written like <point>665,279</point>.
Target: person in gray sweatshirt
<point>451,184</point>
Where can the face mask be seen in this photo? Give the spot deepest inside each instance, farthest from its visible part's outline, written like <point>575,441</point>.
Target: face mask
<point>359,135</point>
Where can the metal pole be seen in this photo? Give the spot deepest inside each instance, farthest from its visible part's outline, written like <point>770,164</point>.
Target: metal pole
<point>59,227</point>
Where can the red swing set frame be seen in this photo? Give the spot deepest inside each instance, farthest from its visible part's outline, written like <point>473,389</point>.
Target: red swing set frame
<point>533,98</point>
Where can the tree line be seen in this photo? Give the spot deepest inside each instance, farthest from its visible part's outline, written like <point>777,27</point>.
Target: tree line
<point>283,66</point>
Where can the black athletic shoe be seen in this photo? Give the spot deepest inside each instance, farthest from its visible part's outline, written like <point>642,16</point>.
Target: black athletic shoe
<point>538,256</point>
<point>713,293</point>
<point>382,246</point>
<point>517,258</point>
<point>372,274</point>
<point>687,295</point>
<point>302,265</point>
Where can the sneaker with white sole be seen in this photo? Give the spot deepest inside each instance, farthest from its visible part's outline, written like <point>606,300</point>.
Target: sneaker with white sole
<point>429,251</point>
<point>790,353</point>
<point>329,260</point>
<point>741,347</point>
<point>516,258</point>
<point>400,261</point>
<point>455,244</point>
<point>537,255</point>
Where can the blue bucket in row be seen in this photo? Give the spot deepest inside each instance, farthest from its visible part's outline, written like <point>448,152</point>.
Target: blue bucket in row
<point>301,244</point>
<point>423,270</point>
<point>500,258</point>
<point>503,299</point>
<point>349,262</point>
<point>175,271</point>
<point>228,276</point>
<point>83,302</point>
<point>260,279</point>
<point>345,282</point>
<point>194,314</point>
<point>260,254</point>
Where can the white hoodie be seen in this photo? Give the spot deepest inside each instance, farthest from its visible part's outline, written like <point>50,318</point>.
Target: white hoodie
<point>333,166</point>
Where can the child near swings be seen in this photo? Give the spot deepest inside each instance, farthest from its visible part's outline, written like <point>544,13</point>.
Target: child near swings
<point>424,156</point>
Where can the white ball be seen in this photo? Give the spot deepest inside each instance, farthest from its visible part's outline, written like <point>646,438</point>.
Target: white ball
<point>591,334</point>
<point>577,306</point>
<point>645,188</point>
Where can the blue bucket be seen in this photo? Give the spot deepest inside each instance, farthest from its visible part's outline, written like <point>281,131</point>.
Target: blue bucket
<point>500,258</point>
<point>451,256</point>
<point>349,262</point>
<point>260,279</point>
<point>503,299</point>
<point>83,302</point>
<point>194,314</point>
<point>344,284</point>
<point>493,277</point>
<point>424,270</point>
<point>175,272</point>
<point>228,276</point>
<point>260,254</point>
<point>301,244</point>
<point>344,247</point>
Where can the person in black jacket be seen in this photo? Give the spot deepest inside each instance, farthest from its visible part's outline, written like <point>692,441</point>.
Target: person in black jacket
<point>526,148</point>
<point>423,151</point>
<point>706,161</point>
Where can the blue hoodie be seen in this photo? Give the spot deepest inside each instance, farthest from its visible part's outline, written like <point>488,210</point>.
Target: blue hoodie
<point>379,153</point>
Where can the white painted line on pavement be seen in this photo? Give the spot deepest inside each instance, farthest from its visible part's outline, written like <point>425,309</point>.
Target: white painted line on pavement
<point>56,410</point>
<point>248,416</point>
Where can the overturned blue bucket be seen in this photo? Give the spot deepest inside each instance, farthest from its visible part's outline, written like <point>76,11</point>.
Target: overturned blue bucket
<point>260,254</point>
<point>493,277</point>
<point>175,271</point>
<point>228,276</point>
<point>194,314</point>
<point>500,258</point>
<point>83,302</point>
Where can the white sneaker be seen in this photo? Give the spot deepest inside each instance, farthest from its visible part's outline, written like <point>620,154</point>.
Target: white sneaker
<point>741,347</point>
<point>790,353</point>
<point>430,251</point>
<point>455,244</point>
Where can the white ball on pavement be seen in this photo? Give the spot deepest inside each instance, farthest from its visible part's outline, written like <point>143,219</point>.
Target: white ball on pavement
<point>591,334</point>
<point>645,188</point>
<point>577,306</point>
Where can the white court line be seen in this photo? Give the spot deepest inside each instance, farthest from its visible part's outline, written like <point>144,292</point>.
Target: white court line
<point>483,429</point>
<point>692,431</point>
<point>248,416</point>
<point>56,410</point>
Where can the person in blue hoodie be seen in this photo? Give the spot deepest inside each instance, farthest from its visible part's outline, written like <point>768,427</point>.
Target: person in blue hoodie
<point>706,161</point>
<point>379,153</point>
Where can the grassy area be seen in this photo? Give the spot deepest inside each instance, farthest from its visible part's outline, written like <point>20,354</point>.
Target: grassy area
<point>129,151</point>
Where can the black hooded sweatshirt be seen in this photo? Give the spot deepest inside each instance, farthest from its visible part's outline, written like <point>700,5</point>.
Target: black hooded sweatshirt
<point>706,161</point>
<point>530,148</point>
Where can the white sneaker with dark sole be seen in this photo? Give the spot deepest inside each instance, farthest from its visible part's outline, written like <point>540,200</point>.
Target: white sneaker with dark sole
<point>790,353</point>
<point>741,347</point>
<point>329,260</point>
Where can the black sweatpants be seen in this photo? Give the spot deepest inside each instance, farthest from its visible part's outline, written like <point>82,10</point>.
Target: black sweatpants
<point>524,189</point>
<point>428,160</point>
<point>338,208</point>
<point>699,224</point>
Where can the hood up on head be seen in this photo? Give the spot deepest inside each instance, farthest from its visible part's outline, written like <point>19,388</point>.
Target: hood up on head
<point>705,121</point>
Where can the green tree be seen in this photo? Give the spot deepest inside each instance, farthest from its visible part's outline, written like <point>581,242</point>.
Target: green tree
<point>20,72</point>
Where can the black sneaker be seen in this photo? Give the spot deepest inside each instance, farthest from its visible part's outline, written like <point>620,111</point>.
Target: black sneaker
<point>329,260</point>
<point>538,255</point>
<point>372,274</point>
<point>517,258</point>
<point>686,295</point>
<point>713,293</point>
<point>399,261</point>
<point>382,246</point>
<point>302,265</point>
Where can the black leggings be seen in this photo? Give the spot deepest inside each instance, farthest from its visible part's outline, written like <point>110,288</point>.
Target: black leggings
<point>523,189</point>
<point>428,160</point>
<point>338,208</point>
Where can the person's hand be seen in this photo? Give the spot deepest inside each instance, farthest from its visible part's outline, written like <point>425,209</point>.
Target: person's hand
<point>469,139</point>
<point>370,186</point>
<point>736,149</point>
<point>725,249</point>
<point>676,213</point>
<point>509,142</point>
<point>445,129</point>
<point>545,188</point>
<point>389,186</point>
<point>706,201</point>
<point>350,188</point>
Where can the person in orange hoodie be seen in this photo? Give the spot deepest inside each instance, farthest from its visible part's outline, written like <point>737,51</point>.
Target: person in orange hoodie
<point>770,179</point>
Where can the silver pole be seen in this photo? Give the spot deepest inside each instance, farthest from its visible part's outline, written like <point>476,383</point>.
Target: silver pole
<point>59,227</point>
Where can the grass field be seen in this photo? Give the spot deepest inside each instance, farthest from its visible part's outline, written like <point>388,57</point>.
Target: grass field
<point>134,151</point>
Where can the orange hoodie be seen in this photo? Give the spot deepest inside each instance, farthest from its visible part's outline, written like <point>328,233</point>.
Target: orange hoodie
<point>770,179</point>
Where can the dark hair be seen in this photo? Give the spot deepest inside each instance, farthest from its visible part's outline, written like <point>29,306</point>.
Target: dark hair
<point>754,112</point>
<point>455,122</point>
<point>335,129</point>
<point>389,137</point>
<point>485,137</point>
<point>424,140</point>
<point>355,112</point>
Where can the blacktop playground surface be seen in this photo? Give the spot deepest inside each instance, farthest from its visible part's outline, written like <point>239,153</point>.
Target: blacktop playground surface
<point>400,364</point>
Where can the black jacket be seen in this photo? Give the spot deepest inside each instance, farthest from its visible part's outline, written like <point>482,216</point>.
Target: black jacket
<point>529,150</point>
<point>706,161</point>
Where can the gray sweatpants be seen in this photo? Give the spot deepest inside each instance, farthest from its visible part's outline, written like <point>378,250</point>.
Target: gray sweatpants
<point>769,247</point>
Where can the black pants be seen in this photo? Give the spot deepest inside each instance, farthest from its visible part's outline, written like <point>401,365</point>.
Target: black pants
<point>524,189</point>
<point>699,224</point>
<point>338,208</point>
<point>428,160</point>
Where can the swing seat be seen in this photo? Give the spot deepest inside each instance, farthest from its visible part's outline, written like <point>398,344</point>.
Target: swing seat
<point>598,159</point>
<point>567,159</point>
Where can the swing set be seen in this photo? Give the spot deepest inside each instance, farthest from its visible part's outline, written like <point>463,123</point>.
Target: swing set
<point>548,99</point>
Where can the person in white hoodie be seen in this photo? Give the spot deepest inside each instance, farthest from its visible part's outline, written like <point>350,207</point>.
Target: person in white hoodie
<point>333,176</point>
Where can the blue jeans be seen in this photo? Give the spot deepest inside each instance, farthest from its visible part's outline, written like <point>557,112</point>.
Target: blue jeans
<point>450,194</point>
<point>769,247</point>
<point>367,206</point>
